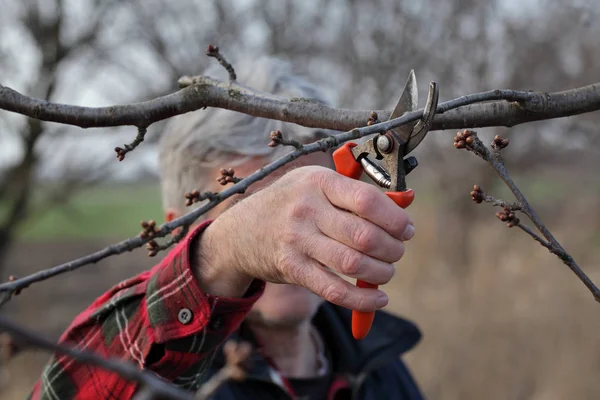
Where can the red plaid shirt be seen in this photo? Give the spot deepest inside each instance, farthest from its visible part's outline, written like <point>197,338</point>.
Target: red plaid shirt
<point>141,314</point>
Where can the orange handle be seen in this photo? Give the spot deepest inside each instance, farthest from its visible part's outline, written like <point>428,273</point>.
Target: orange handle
<point>346,164</point>
<point>362,321</point>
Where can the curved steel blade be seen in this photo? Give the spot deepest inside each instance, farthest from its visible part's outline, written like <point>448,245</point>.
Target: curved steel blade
<point>408,102</point>
<point>424,124</point>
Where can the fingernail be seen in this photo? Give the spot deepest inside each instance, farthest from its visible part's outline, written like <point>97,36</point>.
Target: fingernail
<point>409,232</point>
<point>381,301</point>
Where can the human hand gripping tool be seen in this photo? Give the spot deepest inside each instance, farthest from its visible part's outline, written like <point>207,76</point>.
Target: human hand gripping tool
<point>389,148</point>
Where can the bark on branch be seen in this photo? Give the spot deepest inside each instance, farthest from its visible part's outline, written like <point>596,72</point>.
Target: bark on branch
<point>502,107</point>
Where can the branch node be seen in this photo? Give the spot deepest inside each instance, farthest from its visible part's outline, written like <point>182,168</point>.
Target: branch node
<point>149,229</point>
<point>228,176</point>
<point>278,139</point>
<point>499,143</point>
<point>477,194</point>
<point>213,51</point>
<point>13,278</point>
<point>468,139</point>
<point>508,216</point>
<point>153,247</point>
<point>464,139</point>
<point>373,119</point>
<point>195,196</point>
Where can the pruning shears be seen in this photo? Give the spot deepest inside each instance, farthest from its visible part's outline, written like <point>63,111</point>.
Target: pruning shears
<point>389,148</point>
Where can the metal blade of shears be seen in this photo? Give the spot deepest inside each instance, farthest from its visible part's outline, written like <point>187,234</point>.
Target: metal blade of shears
<point>423,125</point>
<point>408,102</point>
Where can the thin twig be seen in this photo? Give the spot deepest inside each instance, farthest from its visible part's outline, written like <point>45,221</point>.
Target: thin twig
<point>236,355</point>
<point>501,203</point>
<point>5,297</point>
<point>470,141</point>
<point>131,146</point>
<point>535,236</point>
<point>154,249</point>
<point>189,218</point>
<point>215,381</point>
<point>213,51</point>
<point>126,370</point>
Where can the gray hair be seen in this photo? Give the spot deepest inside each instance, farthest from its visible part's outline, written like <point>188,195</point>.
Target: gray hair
<point>206,139</point>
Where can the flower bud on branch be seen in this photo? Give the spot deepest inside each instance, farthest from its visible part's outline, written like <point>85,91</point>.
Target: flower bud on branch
<point>477,194</point>
<point>372,119</point>
<point>131,146</point>
<point>277,139</point>
<point>149,229</point>
<point>195,196</point>
<point>499,142</point>
<point>508,216</point>
<point>152,247</point>
<point>464,139</point>
<point>213,51</point>
<point>227,176</point>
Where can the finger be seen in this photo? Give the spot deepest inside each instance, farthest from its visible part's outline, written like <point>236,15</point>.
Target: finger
<point>348,261</point>
<point>336,290</point>
<point>360,234</point>
<point>366,201</point>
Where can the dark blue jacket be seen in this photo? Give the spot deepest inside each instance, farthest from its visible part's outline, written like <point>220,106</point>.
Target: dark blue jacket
<point>371,367</point>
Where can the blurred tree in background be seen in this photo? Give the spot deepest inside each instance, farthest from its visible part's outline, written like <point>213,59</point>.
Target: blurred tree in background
<point>113,52</point>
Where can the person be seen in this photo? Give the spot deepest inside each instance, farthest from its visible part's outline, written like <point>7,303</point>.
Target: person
<point>274,267</point>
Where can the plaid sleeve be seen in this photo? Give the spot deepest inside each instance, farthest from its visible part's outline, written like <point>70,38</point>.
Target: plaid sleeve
<point>159,320</point>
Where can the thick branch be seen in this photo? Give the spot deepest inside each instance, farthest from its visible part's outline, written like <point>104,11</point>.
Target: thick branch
<point>160,388</point>
<point>506,107</point>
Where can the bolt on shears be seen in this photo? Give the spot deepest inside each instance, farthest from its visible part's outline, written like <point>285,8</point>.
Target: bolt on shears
<point>381,158</point>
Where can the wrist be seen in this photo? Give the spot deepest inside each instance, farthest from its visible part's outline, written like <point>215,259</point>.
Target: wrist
<point>213,265</point>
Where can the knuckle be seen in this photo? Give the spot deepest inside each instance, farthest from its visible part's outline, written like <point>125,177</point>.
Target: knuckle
<point>351,262</point>
<point>361,303</point>
<point>388,274</point>
<point>291,236</point>
<point>301,208</point>
<point>364,239</point>
<point>335,293</point>
<point>315,176</point>
<point>365,198</point>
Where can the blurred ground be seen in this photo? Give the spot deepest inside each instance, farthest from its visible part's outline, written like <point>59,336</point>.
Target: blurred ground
<point>513,323</point>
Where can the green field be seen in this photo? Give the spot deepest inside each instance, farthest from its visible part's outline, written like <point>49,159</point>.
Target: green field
<point>116,210</point>
<point>100,211</point>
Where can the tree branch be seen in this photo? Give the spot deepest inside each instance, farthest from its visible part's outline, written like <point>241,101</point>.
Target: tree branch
<point>266,105</point>
<point>506,107</point>
<point>189,218</point>
<point>470,141</point>
<point>128,371</point>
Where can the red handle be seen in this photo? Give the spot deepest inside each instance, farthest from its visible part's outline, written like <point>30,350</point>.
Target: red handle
<point>346,164</point>
<point>362,321</point>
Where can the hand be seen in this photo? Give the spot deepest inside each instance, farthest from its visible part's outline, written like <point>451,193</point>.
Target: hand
<point>303,229</point>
